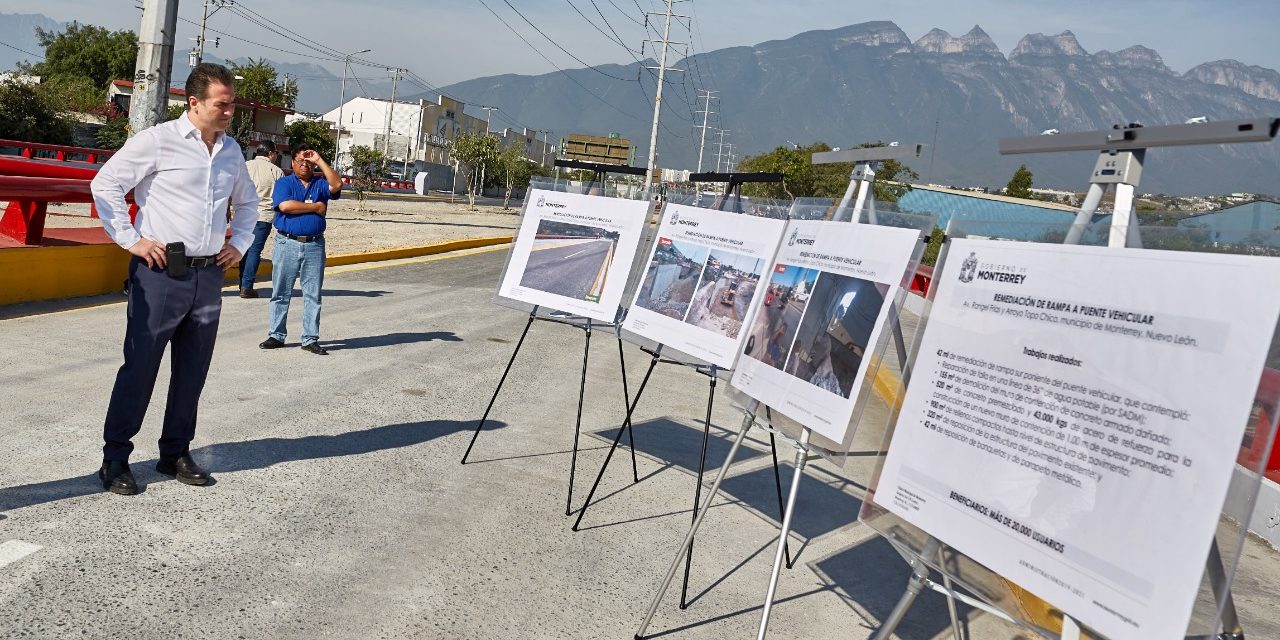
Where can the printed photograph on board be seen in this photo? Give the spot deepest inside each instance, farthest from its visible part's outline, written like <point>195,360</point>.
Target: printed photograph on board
<point>672,277</point>
<point>833,336</point>
<point>725,292</point>
<point>779,319</point>
<point>570,260</point>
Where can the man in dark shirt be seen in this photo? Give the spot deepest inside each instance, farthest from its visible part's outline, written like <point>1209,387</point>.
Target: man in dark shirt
<point>301,202</point>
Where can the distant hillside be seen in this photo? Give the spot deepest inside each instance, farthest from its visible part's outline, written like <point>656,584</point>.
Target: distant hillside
<point>871,82</point>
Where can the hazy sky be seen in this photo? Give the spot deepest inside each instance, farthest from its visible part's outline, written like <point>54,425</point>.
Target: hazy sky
<point>446,42</point>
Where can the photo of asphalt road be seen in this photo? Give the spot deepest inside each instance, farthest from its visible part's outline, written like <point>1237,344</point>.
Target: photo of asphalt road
<point>835,332</point>
<point>570,260</point>
<point>779,319</point>
<point>724,296</point>
<point>671,277</point>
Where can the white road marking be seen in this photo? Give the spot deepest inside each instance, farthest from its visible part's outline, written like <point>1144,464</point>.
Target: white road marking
<point>15,550</point>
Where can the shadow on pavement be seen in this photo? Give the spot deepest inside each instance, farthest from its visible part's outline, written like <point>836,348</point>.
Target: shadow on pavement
<point>872,574</point>
<point>679,445</point>
<point>228,457</point>
<point>390,339</point>
<point>820,508</point>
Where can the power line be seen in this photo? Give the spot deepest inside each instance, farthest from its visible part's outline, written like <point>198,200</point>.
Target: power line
<point>624,13</point>
<point>557,68</point>
<point>22,50</point>
<point>553,42</point>
<point>614,38</point>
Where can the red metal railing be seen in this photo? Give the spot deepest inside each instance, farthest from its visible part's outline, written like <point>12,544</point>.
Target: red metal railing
<point>29,199</point>
<point>61,153</point>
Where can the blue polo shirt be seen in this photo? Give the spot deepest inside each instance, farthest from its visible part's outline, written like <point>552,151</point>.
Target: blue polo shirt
<point>291,188</point>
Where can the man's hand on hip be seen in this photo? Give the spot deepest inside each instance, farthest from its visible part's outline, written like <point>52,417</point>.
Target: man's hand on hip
<point>150,251</point>
<point>228,257</point>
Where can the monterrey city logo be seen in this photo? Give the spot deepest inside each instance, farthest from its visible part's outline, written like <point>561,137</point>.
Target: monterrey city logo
<point>969,268</point>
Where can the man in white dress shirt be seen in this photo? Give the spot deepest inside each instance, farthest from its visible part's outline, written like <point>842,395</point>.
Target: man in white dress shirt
<point>183,173</point>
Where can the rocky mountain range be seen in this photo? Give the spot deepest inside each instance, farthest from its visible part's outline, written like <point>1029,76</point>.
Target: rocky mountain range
<point>870,82</point>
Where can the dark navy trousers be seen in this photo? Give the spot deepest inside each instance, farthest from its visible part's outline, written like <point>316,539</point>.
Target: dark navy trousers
<point>182,312</point>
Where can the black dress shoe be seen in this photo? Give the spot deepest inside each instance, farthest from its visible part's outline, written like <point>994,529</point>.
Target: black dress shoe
<point>184,469</point>
<point>117,478</point>
<point>314,347</point>
<point>271,343</point>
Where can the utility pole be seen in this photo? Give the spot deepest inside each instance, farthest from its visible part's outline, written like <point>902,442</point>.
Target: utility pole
<point>150,98</point>
<point>391,107</point>
<point>488,117</point>
<point>657,101</point>
<point>720,147</point>
<point>342,99</point>
<point>197,53</point>
<point>706,111</point>
<point>728,159</point>
<point>545,134</point>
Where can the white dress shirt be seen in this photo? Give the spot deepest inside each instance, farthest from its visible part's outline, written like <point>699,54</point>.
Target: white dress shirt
<point>182,190</point>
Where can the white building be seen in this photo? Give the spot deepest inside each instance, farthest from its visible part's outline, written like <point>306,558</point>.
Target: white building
<point>420,132</point>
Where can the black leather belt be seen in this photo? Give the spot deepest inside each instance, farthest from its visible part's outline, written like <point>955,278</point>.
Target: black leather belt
<point>202,262</point>
<point>300,238</point>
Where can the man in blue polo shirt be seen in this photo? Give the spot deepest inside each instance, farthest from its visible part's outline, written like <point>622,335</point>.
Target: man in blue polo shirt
<point>301,202</point>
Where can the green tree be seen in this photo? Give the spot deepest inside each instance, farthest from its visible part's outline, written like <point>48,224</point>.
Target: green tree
<point>802,178</point>
<point>75,93</point>
<point>514,170</point>
<point>367,166</point>
<point>476,151</point>
<point>259,83</point>
<point>311,132</point>
<point>88,51</point>
<point>1020,184</point>
<point>241,129</point>
<point>26,114</point>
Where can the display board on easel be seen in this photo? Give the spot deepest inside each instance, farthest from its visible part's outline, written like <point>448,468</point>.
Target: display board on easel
<point>573,252</point>
<point>1123,439</point>
<point>1074,418</point>
<point>570,261</point>
<point>834,353</point>
<point>701,279</point>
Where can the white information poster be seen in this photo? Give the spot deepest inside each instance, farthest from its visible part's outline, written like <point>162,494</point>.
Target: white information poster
<point>573,252</point>
<point>700,280</point>
<point>1074,417</point>
<point>825,302</point>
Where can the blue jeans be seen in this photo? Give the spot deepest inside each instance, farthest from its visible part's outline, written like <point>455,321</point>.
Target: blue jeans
<point>289,260</point>
<point>249,265</point>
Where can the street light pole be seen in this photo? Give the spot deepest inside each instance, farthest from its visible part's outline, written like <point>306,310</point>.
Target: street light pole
<point>342,99</point>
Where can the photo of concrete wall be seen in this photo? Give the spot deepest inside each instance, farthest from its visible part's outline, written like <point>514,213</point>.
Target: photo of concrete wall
<point>571,260</point>
<point>776,325</point>
<point>725,292</point>
<point>671,277</point>
<point>833,336</point>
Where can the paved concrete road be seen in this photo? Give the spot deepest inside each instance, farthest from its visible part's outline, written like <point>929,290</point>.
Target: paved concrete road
<point>340,509</point>
<point>565,267</point>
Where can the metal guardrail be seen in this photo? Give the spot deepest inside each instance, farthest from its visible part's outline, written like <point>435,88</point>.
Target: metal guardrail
<point>29,197</point>
<point>61,153</point>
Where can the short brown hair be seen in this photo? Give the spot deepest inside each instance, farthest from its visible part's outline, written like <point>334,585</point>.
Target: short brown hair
<point>205,74</point>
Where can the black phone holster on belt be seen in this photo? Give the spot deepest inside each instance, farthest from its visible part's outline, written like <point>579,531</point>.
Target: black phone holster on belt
<point>175,255</point>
